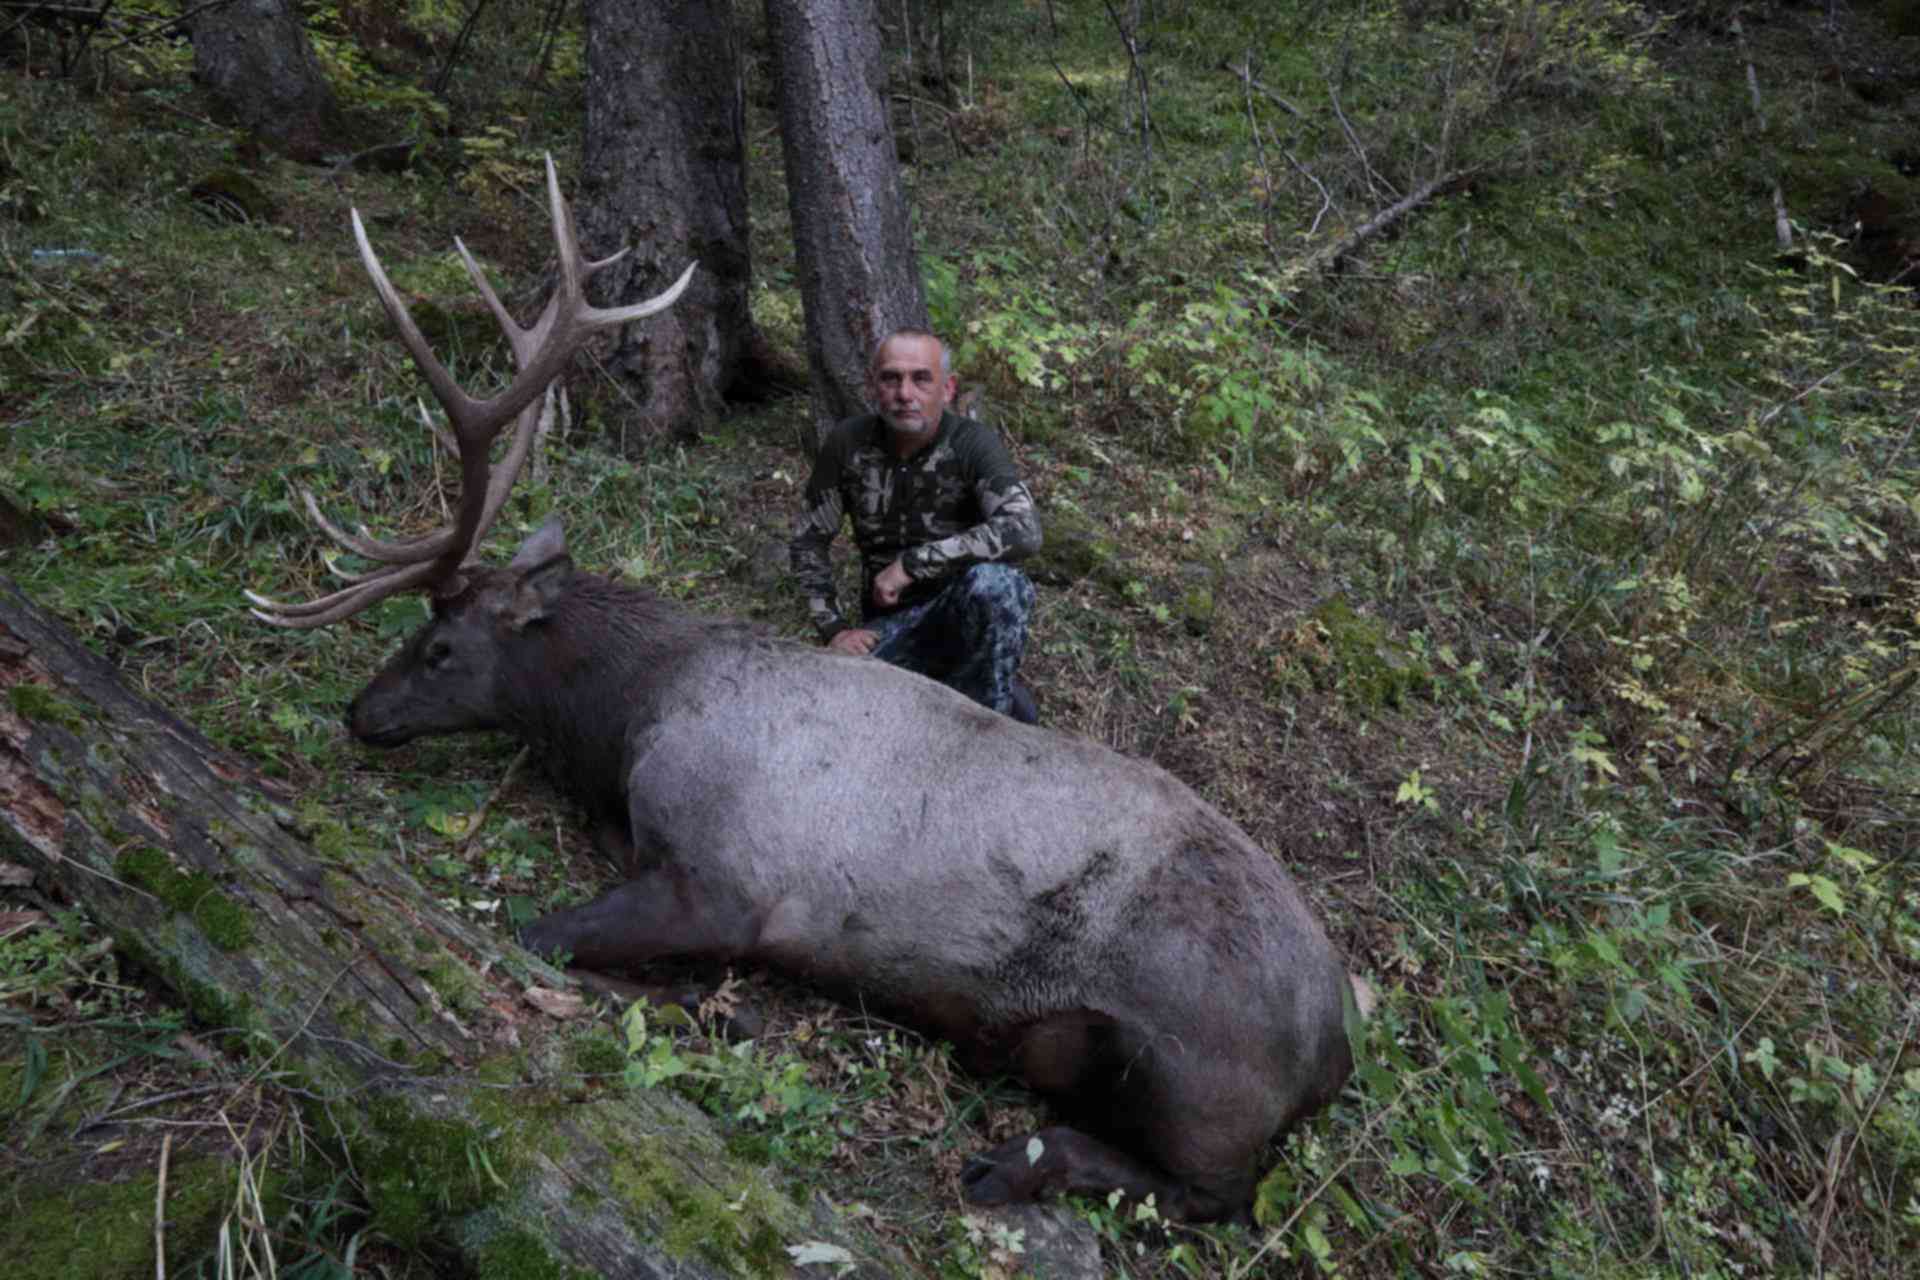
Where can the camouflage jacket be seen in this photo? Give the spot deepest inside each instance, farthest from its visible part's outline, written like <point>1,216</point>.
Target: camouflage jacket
<point>955,503</point>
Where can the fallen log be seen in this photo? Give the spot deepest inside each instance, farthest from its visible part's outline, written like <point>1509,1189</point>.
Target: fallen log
<point>1334,256</point>
<point>417,1037</point>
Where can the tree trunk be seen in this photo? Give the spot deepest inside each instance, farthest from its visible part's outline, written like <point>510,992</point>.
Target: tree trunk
<point>665,175</point>
<point>413,1034</point>
<point>853,246</point>
<point>254,58</point>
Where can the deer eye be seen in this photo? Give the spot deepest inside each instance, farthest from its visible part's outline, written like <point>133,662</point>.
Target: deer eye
<point>437,655</point>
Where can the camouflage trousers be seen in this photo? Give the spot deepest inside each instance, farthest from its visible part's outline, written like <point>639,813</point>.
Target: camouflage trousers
<point>969,637</point>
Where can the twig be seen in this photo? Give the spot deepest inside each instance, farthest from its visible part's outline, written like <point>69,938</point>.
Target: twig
<point>1266,172</point>
<point>1866,1118</point>
<point>1899,691</point>
<point>1130,40</point>
<point>1782,224</point>
<point>1245,73</point>
<point>1326,200</point>
<point>160,1212</point>
<point>439,88</point>
<point>480,816</point>
<point>1353,139</point>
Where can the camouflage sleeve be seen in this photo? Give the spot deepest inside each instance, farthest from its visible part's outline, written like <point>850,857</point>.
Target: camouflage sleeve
<point>809,551</point>
<point>1011,528</point>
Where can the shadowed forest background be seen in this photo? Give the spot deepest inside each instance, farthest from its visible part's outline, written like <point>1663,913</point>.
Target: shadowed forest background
<point>1477,450</point>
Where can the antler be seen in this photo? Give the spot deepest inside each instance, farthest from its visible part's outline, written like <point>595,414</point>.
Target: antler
<point>539,353</point>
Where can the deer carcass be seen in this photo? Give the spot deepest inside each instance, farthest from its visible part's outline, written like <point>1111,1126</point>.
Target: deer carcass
<point>1055,909</point>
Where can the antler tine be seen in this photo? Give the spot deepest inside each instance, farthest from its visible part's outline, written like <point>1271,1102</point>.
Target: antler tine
<point>344,603</point>
<point>540,352</point>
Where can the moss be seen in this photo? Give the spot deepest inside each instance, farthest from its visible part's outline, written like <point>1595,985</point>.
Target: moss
<point>209,1005</point>
<point>455,983</point>
<point>196,896</point>
<point>730,1228</point>
<point>419,1171</point>
<point>1338,648</point>
<point>40,704</point>
<point>1196,611</point>
<point>520,1255</point>
<point>1075,548</point>
<point>105,1232</point>
<point>596,1053</point>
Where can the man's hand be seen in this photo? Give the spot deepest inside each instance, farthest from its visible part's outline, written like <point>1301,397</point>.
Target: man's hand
<point>854,640</point>
<point>888,584</point>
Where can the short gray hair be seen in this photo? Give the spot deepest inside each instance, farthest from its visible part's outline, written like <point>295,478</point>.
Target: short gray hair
<point>946,352</point>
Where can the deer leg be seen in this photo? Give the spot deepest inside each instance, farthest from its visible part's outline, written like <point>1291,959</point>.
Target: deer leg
<point>1144,1120</point>
<point>1062,1161</point>
<point>668,911</point>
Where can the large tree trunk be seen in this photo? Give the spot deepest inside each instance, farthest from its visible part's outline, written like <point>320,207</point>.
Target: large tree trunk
<point>665,175</point>
<point>858,277</point>
<point>412,1032</point>
<point>254,58</point>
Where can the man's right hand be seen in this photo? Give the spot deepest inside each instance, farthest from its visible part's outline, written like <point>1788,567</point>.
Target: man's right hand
<point>854,640</point>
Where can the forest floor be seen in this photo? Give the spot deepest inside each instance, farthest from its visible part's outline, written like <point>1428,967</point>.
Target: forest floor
<point>1539,579</point>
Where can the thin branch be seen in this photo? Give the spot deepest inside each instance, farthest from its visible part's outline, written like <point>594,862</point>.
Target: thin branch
<point>480,816</point>
<point>1353,139</point>
<point>459,44</point>
<point>1245,73</point>
<point>1326,200</point>
<point>160,1211</point>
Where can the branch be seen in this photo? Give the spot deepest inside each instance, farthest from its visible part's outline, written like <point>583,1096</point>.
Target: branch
<point>1245,73</point>
<point>1335,256</point>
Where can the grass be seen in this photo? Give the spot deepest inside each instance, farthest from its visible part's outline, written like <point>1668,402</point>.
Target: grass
<point>1558,557</point>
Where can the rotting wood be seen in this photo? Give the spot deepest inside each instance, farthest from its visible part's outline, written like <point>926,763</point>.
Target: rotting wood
<point>343,970</point>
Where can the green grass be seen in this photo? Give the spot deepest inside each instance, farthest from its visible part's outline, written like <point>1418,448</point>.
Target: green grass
<point>1620,511</point>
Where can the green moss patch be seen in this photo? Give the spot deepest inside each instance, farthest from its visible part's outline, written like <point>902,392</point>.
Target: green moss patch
<point>40,704</point>
<point>105,1232</point>
<point>1354,654</point>
<point>196,895</point>
<point>421,1171</point>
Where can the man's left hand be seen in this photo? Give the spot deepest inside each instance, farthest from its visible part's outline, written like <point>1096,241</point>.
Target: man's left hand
<point>888,584</point>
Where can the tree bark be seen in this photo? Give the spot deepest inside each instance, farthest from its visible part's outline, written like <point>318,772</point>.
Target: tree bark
<point>254,58</point>
<point>412,1032</point>
<point>853,246</point>
<point>665,176</point>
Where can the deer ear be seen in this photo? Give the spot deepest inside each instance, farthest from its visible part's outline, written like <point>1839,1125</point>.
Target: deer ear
<point>535,590</point>
<point>542,545</point>
<point>540,571</point>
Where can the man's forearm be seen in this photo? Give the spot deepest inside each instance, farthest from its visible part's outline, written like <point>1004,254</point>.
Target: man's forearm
<point>1010,532</point>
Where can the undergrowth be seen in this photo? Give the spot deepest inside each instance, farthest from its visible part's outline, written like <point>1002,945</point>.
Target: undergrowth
<point>1538,578</point>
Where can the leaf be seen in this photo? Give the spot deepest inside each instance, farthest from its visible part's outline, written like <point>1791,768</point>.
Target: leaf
<point>1035,1149</point>
<point>36,1068</point>
<point>1823,888</point>
<point>819,1252</point>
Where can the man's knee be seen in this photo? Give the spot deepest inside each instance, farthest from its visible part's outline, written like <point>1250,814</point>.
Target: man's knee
<point>999,584</point>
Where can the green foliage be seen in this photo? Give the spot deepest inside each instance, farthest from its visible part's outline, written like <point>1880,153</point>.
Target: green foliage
<point>777,1110</point>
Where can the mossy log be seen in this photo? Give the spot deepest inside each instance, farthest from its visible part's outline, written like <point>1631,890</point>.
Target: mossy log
<point>410,1030</point>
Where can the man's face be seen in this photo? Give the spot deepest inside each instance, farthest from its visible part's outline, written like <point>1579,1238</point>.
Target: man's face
<point>907,387</point>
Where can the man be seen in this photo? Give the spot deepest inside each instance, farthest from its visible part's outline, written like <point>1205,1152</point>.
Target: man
<point>939,513</point>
